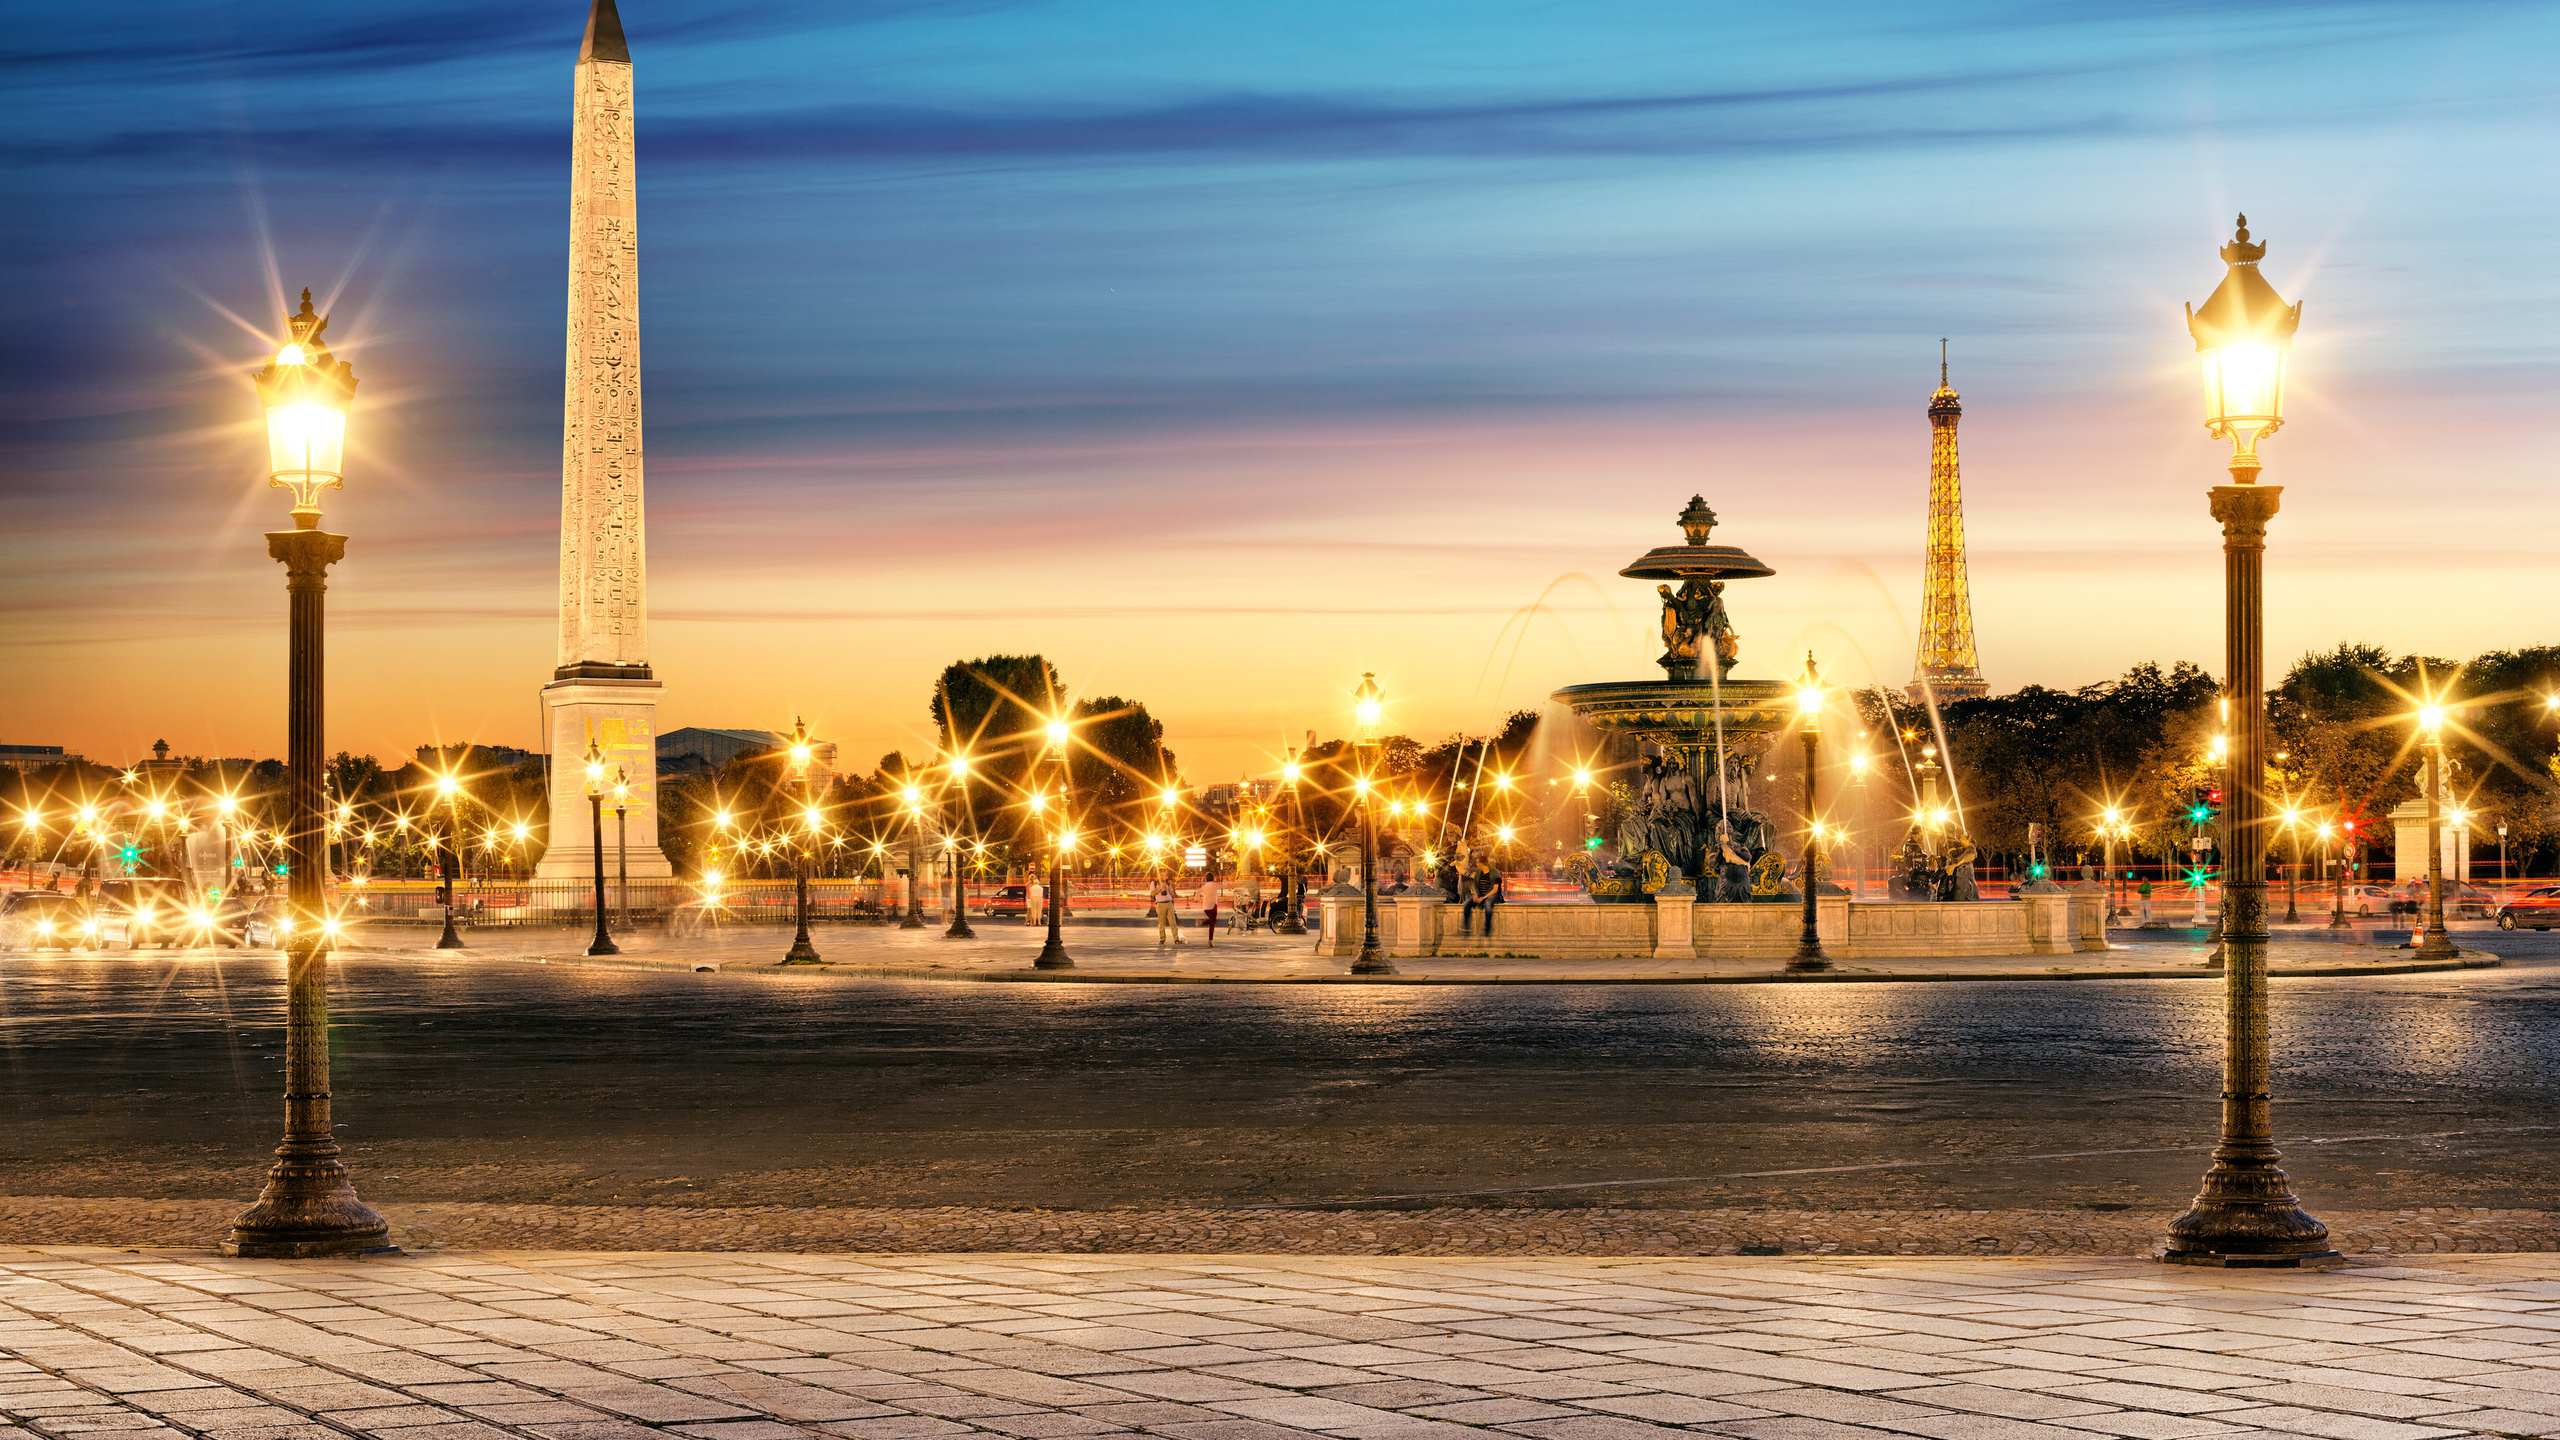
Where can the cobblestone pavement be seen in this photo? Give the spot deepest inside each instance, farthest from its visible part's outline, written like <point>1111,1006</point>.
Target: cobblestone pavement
<point>461,1081</point>
<point>1117,953</point>
<point>586,1346</point>
<point>2111,1230</point>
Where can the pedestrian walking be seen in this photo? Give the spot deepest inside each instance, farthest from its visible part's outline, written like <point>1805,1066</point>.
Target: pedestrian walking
<point>1210,893</point>
<point>1034,897</point>
<point>1168,929</point>
<point>2144,891</point>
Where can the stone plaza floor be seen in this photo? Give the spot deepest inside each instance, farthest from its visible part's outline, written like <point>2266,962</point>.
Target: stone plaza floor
<point>566,1345</point>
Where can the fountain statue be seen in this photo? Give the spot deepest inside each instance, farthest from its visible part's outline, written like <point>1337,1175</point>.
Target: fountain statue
<point>1686,818</point>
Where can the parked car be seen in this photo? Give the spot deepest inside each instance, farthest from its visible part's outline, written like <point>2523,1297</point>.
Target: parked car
<point>2532,910</point>
<point>1011,901</point>
<point>2368,900</point>
<point>44,920</point>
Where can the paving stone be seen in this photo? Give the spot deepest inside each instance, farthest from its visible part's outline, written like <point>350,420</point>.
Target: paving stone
<point>1495,1412</point>
<point>1590,1427</point>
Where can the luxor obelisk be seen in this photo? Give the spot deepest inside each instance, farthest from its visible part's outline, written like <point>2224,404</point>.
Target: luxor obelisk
<point>603,689</point>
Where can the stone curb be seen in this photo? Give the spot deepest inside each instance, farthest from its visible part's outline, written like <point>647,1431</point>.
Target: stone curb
<point>1309,1230</point>
<point>2471,960</point>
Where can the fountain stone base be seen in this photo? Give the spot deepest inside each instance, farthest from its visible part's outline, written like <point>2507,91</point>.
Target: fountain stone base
<point>1851,930</point>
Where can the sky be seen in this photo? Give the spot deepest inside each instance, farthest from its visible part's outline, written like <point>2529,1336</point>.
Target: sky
<point>1224,352</point>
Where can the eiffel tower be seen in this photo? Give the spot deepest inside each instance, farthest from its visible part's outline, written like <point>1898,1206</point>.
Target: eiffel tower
<point>1946,667</point>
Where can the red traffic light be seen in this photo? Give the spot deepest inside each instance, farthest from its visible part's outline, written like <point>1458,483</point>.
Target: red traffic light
<point>2213,797</point>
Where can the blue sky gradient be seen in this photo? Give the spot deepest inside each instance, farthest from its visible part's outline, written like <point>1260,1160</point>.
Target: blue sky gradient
<point>1224,352</point>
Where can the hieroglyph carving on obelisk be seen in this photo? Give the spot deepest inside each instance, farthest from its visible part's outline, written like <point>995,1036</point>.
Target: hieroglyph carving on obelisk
<point>604,616</point>
<point>603,691</point>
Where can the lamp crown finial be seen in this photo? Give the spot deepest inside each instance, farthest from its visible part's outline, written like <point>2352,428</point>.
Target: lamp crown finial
<point>2240,251</point>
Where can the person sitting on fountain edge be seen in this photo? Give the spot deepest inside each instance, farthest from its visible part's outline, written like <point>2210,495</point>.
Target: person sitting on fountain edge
<point>1482,886</point>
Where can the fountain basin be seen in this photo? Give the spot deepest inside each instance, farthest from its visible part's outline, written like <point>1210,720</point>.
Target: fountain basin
<point>1682,713</point>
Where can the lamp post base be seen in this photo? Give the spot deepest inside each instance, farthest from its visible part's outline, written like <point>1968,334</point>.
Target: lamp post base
<point>959,927</point>
<point>309,1209</point>
<point>1053,956</point>
<point>2436,945</point>
<point>451,939</point>
<point>801,952</point>
<point>1368,964</point>
<point>1808,958</point>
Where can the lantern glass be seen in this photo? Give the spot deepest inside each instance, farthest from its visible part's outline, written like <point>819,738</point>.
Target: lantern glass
<point>2243,387</point>
<point>1368,708</point>
<point>306,441</point>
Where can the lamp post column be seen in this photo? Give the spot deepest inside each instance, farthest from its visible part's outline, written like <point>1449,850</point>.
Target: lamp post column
<point>2434,943</point>
<point>2337,885</point>
<point>1053,953</point>
<point>622,855</point>
<point>1372,959</point>
<point>452,938</point>
<point>914,918</point>
<point>309,1206</point>
<point>2292,872</point>
<point>595,829</point>
<point>1368,705</point>
<point>1809,956</point>
<point>2246,1215</point>
<point>1293,896</point>
<point>802,952</point>
<point>959,883</point>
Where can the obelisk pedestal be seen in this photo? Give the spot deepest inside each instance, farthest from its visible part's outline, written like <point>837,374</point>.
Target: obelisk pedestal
<point>603,690</point>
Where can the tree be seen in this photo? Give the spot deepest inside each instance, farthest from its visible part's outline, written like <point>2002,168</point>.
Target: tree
<point>1118,763</point>
<point>996,710</point>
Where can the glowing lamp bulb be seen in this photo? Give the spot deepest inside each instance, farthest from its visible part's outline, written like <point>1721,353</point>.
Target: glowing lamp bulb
<point>2431,719</point>
<point>1057,734</point>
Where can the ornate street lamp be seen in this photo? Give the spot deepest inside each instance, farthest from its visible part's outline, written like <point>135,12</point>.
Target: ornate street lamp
<point>596,783</point>
<point>2246,1213</point>
<point>1809,954</point>
<point>449,790</point>
<point>1368,709</point>
<point>1053,955</point>
<point>2433,943</point>
<point>309,1206</point>
<point>959,884</point>
<point>801,952</point>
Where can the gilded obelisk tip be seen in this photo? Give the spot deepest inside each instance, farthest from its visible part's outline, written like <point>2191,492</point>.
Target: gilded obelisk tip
<point>604,36</point>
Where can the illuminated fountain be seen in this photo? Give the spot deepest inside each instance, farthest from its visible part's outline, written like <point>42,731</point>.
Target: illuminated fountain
<point>1685,815</point>
<point>1690,814</point>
